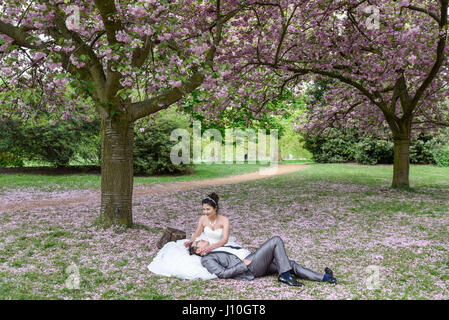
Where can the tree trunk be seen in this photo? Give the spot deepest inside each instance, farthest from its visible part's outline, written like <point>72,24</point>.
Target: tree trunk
<point>279,154</point>
<point>116,170</point>
<point>171,234</point>
<point>401,165</point>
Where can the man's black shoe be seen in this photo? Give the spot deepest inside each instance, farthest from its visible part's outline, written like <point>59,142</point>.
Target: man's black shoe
<point>332,280</point>
<point>329,272</point>
<point>290,281</point>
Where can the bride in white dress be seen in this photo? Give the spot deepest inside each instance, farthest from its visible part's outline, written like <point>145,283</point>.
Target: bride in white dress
<point>174,259</point>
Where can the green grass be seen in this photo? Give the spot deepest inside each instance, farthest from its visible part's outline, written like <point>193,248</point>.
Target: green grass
<point>420,175</point>
<point>348,215</point>
<point>49,182</point>
<point>45,182</point>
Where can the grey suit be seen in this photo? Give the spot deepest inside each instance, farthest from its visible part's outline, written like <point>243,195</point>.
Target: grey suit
<point>270,258</point>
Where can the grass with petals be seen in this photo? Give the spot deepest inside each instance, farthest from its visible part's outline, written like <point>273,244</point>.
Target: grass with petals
<point>338,215</point>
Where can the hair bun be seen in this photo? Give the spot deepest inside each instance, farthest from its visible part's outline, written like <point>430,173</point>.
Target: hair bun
<point>214,196</point>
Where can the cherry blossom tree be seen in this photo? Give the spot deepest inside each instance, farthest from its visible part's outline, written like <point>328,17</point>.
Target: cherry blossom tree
<point>109,49</point>
<point>388,60</point>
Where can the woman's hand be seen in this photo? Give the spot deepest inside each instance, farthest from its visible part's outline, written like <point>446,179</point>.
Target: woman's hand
<point>207,249</point>
<point>186,244</point>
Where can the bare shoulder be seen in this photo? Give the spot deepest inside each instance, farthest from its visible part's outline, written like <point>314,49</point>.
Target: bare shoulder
<point>202,220</point>
<point>224,220</point>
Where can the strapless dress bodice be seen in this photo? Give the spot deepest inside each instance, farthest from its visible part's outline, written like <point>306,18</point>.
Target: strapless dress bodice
<point>213,236</point>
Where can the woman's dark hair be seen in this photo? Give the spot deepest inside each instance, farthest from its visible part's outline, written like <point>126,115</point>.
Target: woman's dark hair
<point>215,198</point>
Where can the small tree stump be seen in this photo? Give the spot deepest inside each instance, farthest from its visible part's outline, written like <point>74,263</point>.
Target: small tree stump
<point>171,234</point>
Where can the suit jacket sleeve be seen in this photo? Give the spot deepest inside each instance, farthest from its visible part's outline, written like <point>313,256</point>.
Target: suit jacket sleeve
<point>212,264</point>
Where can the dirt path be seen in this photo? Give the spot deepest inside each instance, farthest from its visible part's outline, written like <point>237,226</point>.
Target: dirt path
<point>78,197</point>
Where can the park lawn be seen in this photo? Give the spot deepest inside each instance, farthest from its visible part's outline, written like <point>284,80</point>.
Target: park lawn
<point>338,215</point>
<point>83,181</point>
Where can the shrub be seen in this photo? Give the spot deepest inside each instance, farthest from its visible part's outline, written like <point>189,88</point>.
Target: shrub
<point>441,156</point>
<point>334,148</point>
<point>9,160</point>
<point>422,149</point>
<point>343,145</point>
<point>152,147</point>
<point>55,143</point>
<point>89,149</point>
<point>7,137</point>
<point>372,151</point>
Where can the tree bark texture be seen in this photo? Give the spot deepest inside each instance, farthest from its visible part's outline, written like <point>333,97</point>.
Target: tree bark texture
<point>116,171</point>
<point>401,164</point>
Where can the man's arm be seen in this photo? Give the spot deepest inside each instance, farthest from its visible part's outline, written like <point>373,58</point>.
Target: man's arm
<point>212,264</point>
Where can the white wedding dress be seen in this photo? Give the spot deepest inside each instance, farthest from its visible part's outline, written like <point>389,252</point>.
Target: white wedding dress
<point>174,260</point>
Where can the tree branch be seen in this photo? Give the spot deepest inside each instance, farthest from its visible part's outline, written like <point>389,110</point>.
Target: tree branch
<point>442,35</point>
<point>427,11</point>
<point>94,66</point>
<point>443,124</point>
<point>19,34</point>
<point>162,101</point>
<point>400,92</point>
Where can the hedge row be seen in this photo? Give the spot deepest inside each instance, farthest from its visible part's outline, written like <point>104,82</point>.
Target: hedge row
<point>65,141</point>
<point>346,145</point>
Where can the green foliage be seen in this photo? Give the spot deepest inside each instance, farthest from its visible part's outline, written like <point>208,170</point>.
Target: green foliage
<point>372,151</point>
<point>293,144</point>
<point>334,148</point>
<point>7,128</point>
<point>56,143</point>
<point>152,146</point>
<point>345,145</point>
<point>422,149</point>
<point>9,160</point>
<point>442,156</point>
<point>240,117</point>
<point>315,94</point>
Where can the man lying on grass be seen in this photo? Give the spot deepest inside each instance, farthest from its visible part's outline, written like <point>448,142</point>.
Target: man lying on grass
<point>270,258</point>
